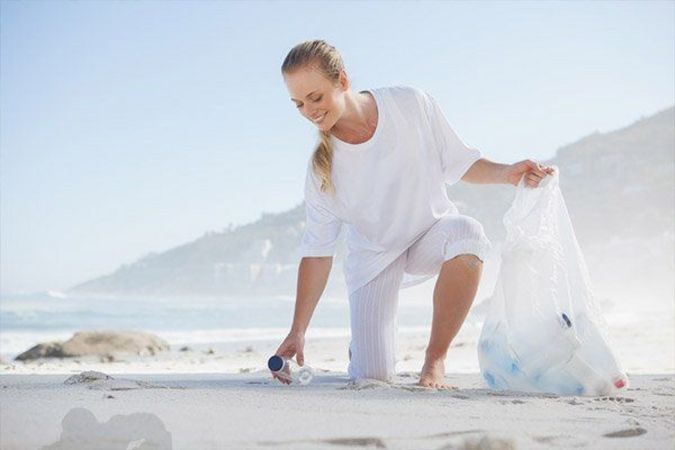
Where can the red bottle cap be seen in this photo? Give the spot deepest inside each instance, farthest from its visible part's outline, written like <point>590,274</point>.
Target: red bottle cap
<point>619,383</point>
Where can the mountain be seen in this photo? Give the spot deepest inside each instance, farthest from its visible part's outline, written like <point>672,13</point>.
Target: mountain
<point>618,187</point>
<point>619,192</point>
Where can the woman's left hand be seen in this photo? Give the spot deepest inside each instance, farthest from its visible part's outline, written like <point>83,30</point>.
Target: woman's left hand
<point>533,172</point>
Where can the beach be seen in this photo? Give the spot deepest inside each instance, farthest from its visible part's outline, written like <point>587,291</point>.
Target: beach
<point>221,396</point>
<point>249,411</point>
<point>212,390</point>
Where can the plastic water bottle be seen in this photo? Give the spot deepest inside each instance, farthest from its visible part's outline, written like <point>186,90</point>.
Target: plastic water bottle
<point>555,352</point>
<point>289,370</point>
<point>593,383</point>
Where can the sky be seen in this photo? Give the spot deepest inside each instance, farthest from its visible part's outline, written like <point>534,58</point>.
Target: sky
<point>134,127</point>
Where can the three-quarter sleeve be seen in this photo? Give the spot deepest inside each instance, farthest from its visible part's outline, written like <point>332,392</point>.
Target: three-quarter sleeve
<point>456,157</point>
<point>322,226</point>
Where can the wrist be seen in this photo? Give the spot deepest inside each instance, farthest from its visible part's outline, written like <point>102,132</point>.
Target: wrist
<point>502,174</point>
<point>297,331</point>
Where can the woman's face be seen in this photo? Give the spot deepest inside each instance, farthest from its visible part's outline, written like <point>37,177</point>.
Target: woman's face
<point>316,97</point>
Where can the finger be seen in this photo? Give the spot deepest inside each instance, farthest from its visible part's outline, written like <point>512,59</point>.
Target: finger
<point>533,165</point>
<point>540,171</point>
<point>301,358</point>
<point>281,379</point>
<point>531,180</point>
<point>286,352</point>
<point>548,171</point>
<point>536,167</point>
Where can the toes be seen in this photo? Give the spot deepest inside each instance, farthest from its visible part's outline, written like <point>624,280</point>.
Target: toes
<point>432,385</point>
<point>435,385</point>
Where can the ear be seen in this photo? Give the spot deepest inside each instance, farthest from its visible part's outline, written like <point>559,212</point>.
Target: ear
<point>344,80</point>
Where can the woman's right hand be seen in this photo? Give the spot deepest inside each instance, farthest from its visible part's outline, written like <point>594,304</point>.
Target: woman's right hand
<point>294,344</point>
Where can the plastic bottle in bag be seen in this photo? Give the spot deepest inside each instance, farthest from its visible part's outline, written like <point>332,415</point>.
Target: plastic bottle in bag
<point>542,330</point>
<point>290,370</point>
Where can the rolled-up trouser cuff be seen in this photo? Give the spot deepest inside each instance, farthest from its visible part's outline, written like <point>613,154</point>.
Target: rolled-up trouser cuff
<point>480,248</point>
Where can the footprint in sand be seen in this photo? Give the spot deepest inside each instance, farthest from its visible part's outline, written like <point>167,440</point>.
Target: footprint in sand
<point>368,442</point>
<point>614,399</point>
<point>460,396</point>
<point>514,401</point>
<point>99,380</point>
<point>630,432</point>
<point>356,442</point>
<point>364,384</point>
<point>359,385</point>
<point>663,394</point>
<point>413,388</point>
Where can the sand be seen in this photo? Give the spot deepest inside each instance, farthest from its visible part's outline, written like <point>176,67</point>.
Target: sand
<point>221,396</point>
<point>251,411</point>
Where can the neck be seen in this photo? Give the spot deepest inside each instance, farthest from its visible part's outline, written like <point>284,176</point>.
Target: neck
<point>359,119</point>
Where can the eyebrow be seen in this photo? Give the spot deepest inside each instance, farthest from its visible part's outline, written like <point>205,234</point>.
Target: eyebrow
<point>313,92</point>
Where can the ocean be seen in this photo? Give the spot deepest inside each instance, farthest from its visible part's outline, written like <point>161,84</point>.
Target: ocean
<point>643,338</point>
<point>26,320</point>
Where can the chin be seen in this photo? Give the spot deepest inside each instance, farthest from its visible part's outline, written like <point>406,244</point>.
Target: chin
<point>323,126</point>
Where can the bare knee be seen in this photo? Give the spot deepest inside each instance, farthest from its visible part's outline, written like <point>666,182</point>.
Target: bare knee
<point>468,259</point>
<point>471,259</point>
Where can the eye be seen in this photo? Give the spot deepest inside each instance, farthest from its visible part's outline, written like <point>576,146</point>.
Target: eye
<point>298,106</point>
<point>318,99</point>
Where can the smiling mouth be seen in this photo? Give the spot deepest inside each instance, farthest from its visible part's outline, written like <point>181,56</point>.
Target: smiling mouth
<point>320,118</point>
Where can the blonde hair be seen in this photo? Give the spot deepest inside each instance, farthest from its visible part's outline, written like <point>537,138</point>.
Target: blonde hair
<point>326,58</point>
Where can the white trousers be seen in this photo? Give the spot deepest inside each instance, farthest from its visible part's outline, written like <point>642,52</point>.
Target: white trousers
<point>373,307</point>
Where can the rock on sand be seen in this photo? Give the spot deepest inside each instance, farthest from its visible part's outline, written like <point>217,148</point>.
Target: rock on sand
<point>98,343</point>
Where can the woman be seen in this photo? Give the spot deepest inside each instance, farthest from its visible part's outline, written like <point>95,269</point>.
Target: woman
<point>380,168</point>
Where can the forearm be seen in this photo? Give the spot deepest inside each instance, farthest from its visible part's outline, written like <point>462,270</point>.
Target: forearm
<point>484,171</point>
<point>312,278</point>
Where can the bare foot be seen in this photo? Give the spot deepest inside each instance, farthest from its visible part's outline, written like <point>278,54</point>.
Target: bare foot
<point>433,375</point>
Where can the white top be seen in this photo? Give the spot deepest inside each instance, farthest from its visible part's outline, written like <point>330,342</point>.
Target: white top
<point>390,189</point>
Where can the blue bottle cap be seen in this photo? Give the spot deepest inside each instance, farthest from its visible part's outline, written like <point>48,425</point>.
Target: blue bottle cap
<point>275,363</point>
